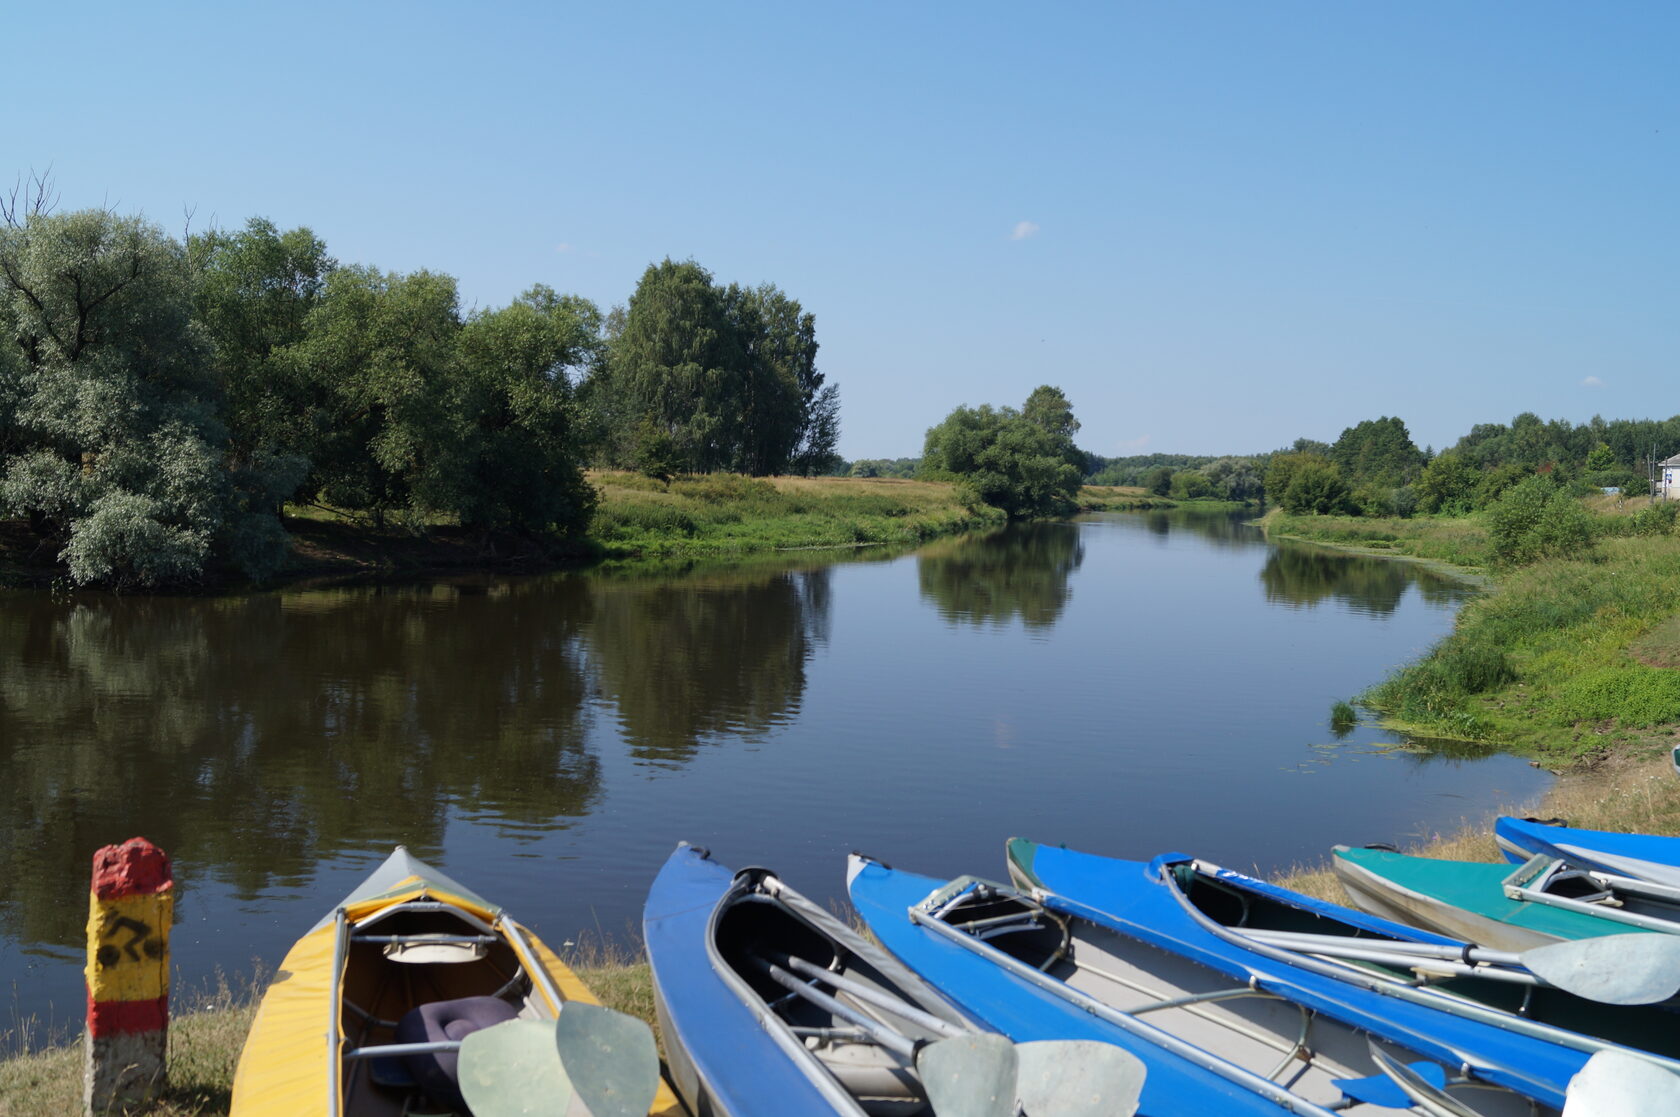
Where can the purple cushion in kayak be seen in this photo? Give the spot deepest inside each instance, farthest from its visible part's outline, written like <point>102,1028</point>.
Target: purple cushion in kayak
<point>435,1073</point>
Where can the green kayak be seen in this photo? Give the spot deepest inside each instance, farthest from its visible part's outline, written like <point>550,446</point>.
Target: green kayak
<point>1542,901</point>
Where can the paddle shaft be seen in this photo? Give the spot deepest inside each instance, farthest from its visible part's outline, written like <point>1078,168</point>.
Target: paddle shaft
<point>1449,952</point>
<point>1444,958</point>
<point>870,995</point>
<point>898,1044</point>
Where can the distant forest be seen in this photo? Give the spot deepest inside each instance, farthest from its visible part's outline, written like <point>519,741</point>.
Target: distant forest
<point>1374,467</point>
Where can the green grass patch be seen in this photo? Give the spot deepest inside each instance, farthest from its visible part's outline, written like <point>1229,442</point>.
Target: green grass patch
<point>1633,695</point>
<point>725,514</point>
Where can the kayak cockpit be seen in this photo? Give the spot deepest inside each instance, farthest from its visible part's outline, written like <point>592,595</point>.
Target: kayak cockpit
<point>852,1020</point>
<point>413,978</point>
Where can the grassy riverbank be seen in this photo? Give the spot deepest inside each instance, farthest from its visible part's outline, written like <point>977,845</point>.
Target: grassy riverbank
<point>722,514</point>
<point>1566,660</point>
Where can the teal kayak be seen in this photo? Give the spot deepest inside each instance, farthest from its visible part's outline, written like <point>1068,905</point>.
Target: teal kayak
<point>1539,902</point>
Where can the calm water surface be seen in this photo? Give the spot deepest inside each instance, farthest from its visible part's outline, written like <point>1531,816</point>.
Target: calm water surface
<point>1128,684</point>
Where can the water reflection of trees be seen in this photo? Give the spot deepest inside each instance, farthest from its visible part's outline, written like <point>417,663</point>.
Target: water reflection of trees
<point>261,735</point>
<point>1020,572</point>
<point>1296,575</point>
<point>720,653</point>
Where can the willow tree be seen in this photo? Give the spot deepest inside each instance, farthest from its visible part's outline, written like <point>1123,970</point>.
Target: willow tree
<point>253,295</point>
<point>116,451</point>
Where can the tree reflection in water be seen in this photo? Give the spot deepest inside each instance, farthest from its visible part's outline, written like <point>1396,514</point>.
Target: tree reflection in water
<point>717,654</point>
<point>1304,575</point>
<point>992,579</point>
<point>260,736</point>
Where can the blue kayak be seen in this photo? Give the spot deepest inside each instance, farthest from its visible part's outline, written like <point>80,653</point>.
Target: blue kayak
<point>737,1041</point>
<point>1001,956</point>
<point>1307,952</point>
<point>1648,857</point>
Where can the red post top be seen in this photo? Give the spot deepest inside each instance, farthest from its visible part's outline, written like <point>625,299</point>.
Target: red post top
<point>135,868</point>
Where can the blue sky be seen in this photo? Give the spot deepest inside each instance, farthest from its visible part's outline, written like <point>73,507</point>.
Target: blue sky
<point>1216,226</point>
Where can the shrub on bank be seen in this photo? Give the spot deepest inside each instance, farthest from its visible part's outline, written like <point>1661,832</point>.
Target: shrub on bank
<point>1536,519</point>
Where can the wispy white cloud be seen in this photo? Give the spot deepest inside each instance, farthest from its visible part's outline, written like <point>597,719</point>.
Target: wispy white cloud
<point>1593,382</point>
<point>564,247</point>
<point>1023,230</point>
<point>1132,445</point>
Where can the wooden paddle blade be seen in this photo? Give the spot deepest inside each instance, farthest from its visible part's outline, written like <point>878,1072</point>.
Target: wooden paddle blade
<point>511,1069</point>
<point>1426,1097</point>
<point>1617,1084</point>
<point>1613,969</point>
<point>609,1058</point>
<point>969,1076</point>
<point>1077,1078</point>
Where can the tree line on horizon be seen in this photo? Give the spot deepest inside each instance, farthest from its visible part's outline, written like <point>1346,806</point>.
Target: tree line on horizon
<point>1372,469</point>
<point>162,399</point>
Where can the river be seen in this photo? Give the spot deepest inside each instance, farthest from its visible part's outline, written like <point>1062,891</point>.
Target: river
<point>1129,683</point>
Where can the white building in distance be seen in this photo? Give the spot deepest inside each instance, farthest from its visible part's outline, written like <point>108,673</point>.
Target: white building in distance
<point>1668,478</point>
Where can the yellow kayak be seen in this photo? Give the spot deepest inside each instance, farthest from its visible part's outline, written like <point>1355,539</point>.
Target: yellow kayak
<point>409,957</point>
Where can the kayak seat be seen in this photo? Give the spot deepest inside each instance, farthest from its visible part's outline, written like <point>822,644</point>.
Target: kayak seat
<point>435,1073</point>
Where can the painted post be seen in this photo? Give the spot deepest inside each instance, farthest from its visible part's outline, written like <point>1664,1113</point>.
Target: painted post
<point>129,913</point>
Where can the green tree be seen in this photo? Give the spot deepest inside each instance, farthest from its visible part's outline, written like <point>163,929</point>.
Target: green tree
<point>1315,488</point>
<point>1281,470</point>
<point>1493,483</point>
<point>381,353</point>
<point>1159,480</point>
<point>254,292</point>
<point>1601,458</point>
<point>727,374</point>
<point>510,454</point>
<point>1235,478</point>
<point>1024,466</point>
<point>115,448</point>
<point>1189,484</point>
<point>1377,452</point>
<point>670,363</point>
<point>1536,519</point>
<point>1447,484</point>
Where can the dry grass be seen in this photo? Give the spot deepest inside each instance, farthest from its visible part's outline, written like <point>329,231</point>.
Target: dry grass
<point>616,972</point>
